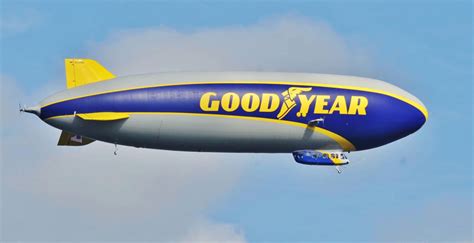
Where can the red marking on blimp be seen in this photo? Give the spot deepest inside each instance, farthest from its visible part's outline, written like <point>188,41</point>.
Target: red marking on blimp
<point>317,117</point>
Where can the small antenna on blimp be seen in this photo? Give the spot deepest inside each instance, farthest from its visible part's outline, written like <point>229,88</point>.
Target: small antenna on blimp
<point>116,149</point>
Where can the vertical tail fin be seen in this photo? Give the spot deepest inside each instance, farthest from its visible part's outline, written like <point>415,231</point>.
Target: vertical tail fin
<point>84,71</point>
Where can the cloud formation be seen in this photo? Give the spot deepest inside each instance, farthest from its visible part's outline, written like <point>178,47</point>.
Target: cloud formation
<point>88,194</point>
<point>288,43</point>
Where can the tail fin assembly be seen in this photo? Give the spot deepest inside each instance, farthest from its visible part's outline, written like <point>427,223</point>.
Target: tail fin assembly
<point>69,139</point>
<point>84,71</point>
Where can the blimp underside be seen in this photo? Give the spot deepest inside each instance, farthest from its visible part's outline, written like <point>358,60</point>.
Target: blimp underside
<point>258,112</point>
<point>200,133</point>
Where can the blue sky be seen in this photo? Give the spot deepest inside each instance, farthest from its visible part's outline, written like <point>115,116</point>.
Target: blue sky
<point>418,188</point>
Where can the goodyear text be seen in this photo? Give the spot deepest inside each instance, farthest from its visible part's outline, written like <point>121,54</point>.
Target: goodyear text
<point>293,97</point>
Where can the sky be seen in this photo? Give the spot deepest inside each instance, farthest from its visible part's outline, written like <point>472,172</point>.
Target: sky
<point>416,189</point>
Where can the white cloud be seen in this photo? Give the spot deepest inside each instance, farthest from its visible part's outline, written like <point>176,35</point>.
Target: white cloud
<point>170,191</point>
<point>279,44</point>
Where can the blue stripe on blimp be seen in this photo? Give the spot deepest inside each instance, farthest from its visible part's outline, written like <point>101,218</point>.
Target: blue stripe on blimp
<point>386,118</point>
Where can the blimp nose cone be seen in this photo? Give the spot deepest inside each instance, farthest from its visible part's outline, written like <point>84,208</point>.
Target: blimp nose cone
<point>419,113</point>
<point>405,117</point>
<point>419,118</point>
<point>391,114</point>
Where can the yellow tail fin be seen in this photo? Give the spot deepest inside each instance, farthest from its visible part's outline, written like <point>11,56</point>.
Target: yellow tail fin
<point>84,71</point>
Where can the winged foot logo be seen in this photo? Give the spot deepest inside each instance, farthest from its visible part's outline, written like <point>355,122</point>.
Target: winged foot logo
<point>271,102</point>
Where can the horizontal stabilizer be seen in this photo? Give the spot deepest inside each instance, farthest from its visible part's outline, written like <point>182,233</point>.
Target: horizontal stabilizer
<point>84,71</point>
<point>103,116</point>
<point>69,139</point>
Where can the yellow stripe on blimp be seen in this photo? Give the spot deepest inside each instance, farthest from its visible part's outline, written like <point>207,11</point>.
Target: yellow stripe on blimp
<point>345,144</point>
<point>417,105</point>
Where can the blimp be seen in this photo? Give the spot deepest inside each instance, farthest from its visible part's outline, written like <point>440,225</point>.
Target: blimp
<point>317,118</point>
